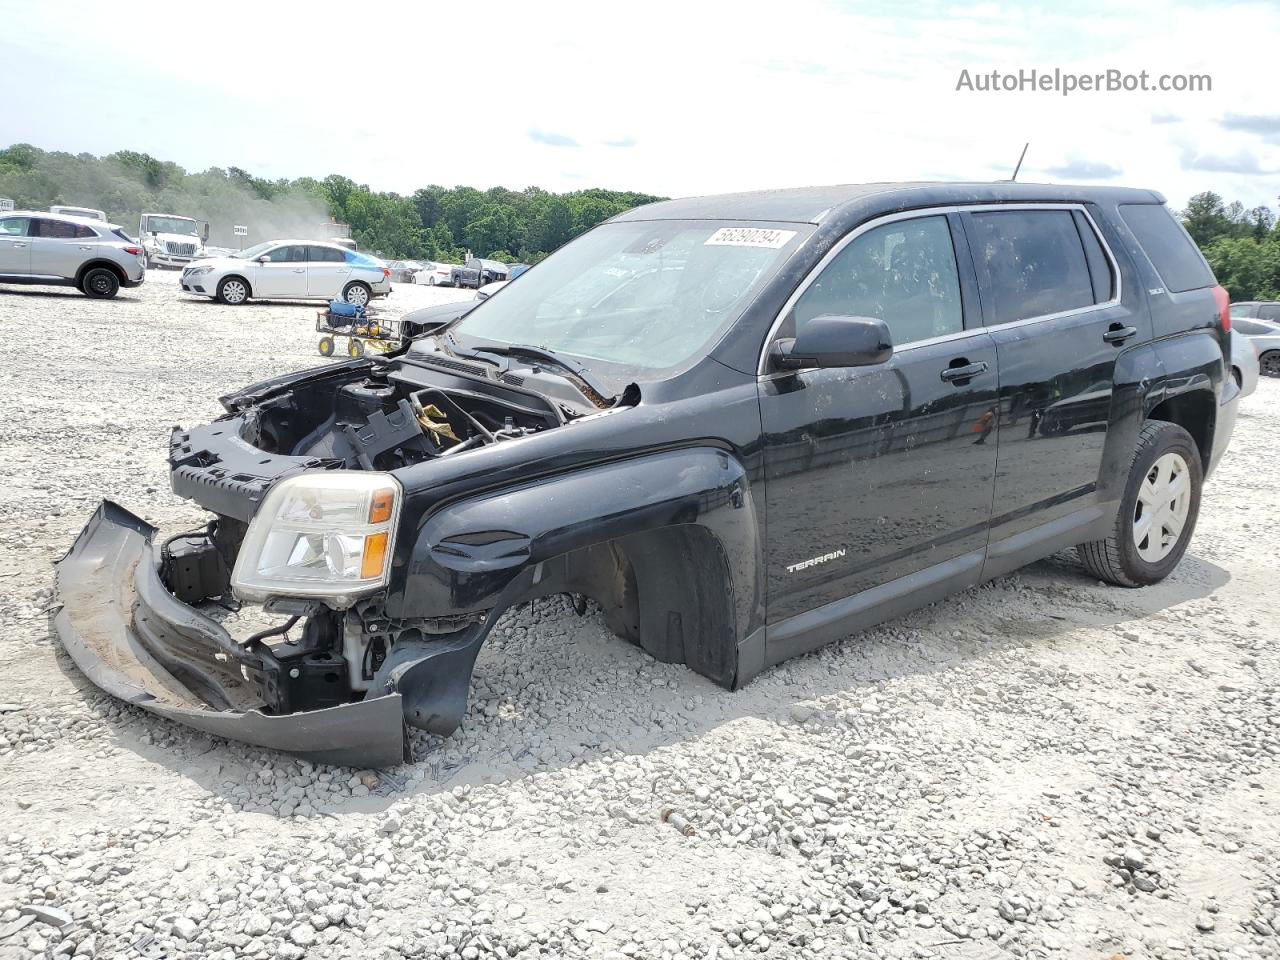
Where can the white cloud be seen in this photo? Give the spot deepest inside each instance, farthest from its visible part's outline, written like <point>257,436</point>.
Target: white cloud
<point>705,97</point>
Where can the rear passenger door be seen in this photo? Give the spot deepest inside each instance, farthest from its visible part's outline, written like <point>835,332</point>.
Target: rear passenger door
<point>15,247</point>
<point>59,248</point>
<point>326,272</point>
<point>1052,303</point>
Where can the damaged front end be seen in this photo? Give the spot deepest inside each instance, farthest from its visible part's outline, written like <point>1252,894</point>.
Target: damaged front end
<point>301,476</point>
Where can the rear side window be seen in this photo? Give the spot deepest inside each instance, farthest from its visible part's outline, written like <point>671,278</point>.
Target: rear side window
<point>1269,311</point>
<point>1242,310</point>
<point>57,229</point>
<point>1167,245</point>
<point>14,226</point>
<point>1032,263</point>
<point>329,254</point>
<point>903,273</point>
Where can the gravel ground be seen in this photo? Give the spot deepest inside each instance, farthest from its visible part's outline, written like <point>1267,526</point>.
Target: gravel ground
<point>1041,767</point>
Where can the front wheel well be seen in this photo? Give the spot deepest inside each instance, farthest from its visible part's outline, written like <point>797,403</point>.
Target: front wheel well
<point>669,591</point>
<point>1195,412</point>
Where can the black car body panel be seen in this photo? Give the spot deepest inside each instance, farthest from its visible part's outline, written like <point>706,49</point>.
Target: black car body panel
<point>732,511</point>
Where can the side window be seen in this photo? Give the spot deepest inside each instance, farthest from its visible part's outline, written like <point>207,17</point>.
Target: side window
<point>1104,282</point>
<point>315,254</point>
<point>333,255</point>
<point>14,226</point>
<point>903,273</point>
<point>1242,310</point>
<point>54,229</point>
<point>1168,246</point>
<point>1031,263</point>
<point>85,233</point>
<point>1269,311</point>
<point>286,255</point>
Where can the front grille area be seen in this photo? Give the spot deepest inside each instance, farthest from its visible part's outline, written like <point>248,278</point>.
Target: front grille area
<point>180,249</point>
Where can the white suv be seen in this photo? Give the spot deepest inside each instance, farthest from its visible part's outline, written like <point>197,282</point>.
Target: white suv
<point>290,270</point>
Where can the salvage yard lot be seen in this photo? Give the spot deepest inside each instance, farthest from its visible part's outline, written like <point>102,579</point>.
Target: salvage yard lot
<point>1043,766</point>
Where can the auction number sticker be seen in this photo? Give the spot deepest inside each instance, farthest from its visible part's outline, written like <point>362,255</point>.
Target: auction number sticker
<point>749,237</point>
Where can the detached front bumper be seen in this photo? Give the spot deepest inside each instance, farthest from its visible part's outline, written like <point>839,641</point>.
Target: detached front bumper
<point>136,641</point>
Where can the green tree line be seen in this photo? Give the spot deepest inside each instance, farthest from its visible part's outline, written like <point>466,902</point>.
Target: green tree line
<point>434,223</point>
<point>1242,245</point>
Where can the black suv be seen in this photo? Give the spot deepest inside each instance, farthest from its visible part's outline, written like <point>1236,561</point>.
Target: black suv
<point>744,425</point>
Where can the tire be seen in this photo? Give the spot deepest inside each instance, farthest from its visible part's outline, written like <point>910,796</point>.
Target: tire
<point>1128,558</point>
<point>233,291</point>
<point>355,348</point>
<point>357,293</point>
<point>101,283</point>
<point>326,346</point>
<point>1269,363</point>
<point>431,281</point>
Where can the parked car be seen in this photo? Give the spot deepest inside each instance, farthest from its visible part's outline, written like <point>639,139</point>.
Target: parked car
<point>436,274</point>
<point>95,257</point>
<point>290,270</point>
<point>851,362</point>
<point>86,213</point>
<point>1244,360</point>
<point>403,271</point>
<point>475,273</point>
<point>1263,336</point>
<point>1257,310</point>
<point>489,289</point>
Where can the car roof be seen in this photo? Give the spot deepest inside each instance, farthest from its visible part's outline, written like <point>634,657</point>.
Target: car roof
<point>819,204</point>
<point>87,221</point>
<point>312,243</point>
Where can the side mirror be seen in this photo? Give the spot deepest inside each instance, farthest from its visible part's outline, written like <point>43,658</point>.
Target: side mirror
<point>831,341</point>
<point>204,233</point>
<point>265,258</point>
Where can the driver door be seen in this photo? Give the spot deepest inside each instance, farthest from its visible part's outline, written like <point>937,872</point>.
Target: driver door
<point>283,274</point>
<point>879,479</point>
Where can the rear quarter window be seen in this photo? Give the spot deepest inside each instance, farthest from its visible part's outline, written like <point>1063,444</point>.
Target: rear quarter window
<point>1168,246</point>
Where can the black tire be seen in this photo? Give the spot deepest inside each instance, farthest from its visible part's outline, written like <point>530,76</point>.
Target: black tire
<point>326,346</point>
<point>233,291</point>
<point>355,348</point>
<point>1269,363</point>
<point>357,285</point>
<point>431,281</point>
<point>1116,559</point>
<point>101,283</point>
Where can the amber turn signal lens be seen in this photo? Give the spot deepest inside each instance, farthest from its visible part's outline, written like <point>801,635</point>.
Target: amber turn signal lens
<point>375,555</point>
<point>380,506</point>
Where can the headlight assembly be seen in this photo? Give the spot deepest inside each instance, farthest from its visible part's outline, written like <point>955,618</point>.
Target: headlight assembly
<point>326,535</point>
<point>198,271</point>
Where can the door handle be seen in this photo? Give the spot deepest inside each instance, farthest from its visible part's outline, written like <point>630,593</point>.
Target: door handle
<point>965,371</point>
<point>86,248</point>
<point>1117,334</point>
<point>300,270</point>
<point>18,243</point>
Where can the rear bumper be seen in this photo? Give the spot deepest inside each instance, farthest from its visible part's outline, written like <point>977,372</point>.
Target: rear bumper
<point>132,638</point>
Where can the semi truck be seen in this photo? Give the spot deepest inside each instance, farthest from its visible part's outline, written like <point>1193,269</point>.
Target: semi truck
<point>171,240</point>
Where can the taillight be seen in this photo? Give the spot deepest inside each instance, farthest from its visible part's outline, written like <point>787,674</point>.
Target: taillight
<point>386,272</point>
<point>1223,300</point>
<point>134,250</point>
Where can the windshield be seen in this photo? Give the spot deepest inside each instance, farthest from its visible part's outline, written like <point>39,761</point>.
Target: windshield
<point>647,294</point>
<point>179,225</point>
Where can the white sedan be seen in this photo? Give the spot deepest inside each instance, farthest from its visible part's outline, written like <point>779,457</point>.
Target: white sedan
<point>290,270</point>
<point>435,274</point>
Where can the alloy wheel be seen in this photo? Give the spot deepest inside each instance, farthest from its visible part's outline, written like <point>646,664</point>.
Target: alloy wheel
<point>1270,363</point>
<point>1164,500</point>
<point>233,291</point>
<point>357,295</point>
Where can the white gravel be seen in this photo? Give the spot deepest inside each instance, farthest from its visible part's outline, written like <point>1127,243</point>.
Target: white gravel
<point>1042,767</point>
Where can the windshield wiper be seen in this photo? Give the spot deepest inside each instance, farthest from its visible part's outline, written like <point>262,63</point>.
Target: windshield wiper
<point>603,396</point>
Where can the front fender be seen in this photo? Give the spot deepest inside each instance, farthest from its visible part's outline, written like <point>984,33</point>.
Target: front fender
<point>468,555</point>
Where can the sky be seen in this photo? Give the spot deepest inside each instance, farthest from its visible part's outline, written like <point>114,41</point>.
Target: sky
<point>671,98</point>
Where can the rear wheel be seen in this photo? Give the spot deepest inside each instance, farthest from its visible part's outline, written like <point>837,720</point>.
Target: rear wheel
<point>357,294</point>
<point>1269,363</point>
<point>326,346</point>
<point>355,348</point>
<point>101,283</point>
<point>1157,512</point>
<point>233,290</point>
<point>431,281</point>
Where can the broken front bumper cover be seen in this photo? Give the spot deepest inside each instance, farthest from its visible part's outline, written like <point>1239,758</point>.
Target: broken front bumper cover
<point>136,641</point>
